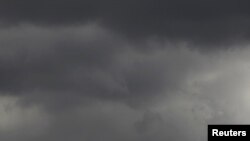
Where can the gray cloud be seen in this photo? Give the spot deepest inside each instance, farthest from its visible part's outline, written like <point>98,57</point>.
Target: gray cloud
<point>90,83</point>
<point>205,21</point>
<point>122,70</point>
<point>86,61</point>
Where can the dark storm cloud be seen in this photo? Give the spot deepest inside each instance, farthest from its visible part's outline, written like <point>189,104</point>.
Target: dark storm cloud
<point>56,66</point>
<point>90,83</point>
<point>209,21</point>
<point>74,60</point>
<point>72,70</point>
<point>75,63</point>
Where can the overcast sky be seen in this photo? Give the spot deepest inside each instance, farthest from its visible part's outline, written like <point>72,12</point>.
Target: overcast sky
<point>122,70</point>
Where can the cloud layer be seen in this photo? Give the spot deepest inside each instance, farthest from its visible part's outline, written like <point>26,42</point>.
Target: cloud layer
<point>199,21</point>
<point>91,83</point>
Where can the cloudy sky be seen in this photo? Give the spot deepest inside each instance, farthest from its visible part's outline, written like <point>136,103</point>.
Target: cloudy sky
<point>122,70</point>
